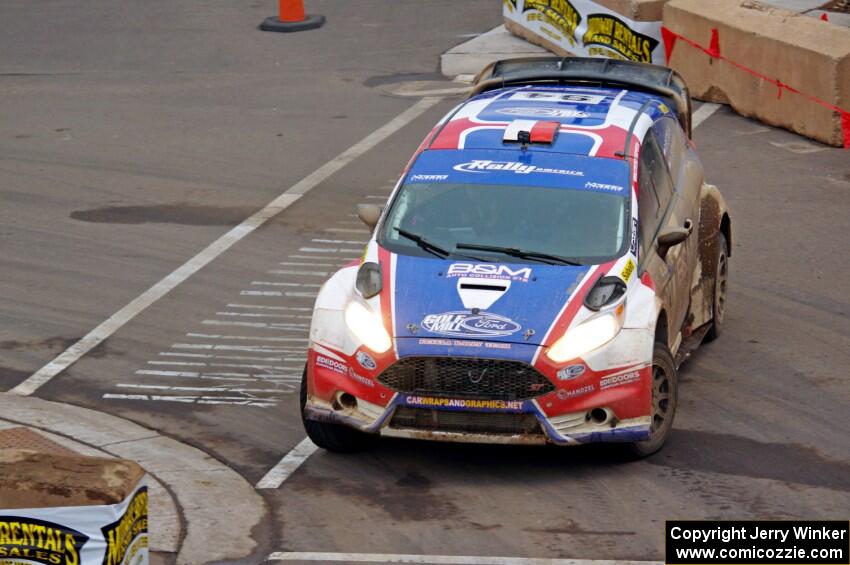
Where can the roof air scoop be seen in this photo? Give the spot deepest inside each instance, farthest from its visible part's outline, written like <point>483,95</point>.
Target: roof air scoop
<point>536,131</point>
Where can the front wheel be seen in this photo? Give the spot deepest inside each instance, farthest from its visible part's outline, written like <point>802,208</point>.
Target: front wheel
<point>665,399</point>
<point>333,437</point>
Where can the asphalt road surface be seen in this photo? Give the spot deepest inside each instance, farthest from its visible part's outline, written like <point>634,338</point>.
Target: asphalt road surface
<point>134,134</point>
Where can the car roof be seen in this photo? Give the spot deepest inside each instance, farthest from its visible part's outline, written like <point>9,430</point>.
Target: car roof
<point>590,120</point>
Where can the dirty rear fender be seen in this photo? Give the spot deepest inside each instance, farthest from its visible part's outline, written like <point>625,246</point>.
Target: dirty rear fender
<point>713,209</point>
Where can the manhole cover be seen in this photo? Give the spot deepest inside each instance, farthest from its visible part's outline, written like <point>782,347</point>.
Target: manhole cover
<point>25,438</point>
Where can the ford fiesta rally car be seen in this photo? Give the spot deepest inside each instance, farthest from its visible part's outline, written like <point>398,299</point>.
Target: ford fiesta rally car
<point>549,257</point>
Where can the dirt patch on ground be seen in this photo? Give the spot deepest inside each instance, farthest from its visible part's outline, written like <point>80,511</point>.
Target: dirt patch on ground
<point>29,479</point>
<point>181,213</point>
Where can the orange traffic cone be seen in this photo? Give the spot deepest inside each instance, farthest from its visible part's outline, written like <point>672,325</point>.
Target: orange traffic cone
<point>291,17</point>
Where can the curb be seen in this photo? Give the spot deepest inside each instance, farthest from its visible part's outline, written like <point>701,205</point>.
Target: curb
<point>202,486</point>
<point>470,57</point>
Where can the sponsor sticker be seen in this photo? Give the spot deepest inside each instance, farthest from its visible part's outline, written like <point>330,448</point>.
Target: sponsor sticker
<point>463,403</point>
<point>581,391</point>
<point>619,380</point>
<point>615,34</point>
<point>360,378</point>
<point>544,112</point>
<point>466,324</point>
<point>485,271</point>
<point>628,270</point>
<point>560,14</point>
<point>427,178</point>
<point>30,540</point>
<point>633,247</point>
<point>571,372</point>
<point>464,343</point>
<point>484,166</point>
<point>603,186</point>
<point>366,360</point>
<point>332,364</point>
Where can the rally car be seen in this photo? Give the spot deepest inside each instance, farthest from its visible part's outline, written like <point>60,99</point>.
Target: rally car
<point>548,258</point>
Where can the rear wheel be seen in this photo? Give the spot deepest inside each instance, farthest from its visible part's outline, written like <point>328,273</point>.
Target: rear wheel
<point>665,398</point>
<point>721,277</point>
<point>333,437</point>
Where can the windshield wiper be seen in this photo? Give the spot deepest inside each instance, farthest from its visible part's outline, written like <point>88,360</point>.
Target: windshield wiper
<point>423,243</point>
<point>522,254</point>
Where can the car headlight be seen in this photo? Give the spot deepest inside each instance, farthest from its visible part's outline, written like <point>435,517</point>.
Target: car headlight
<point>368,327</point>
<point>587,336</point>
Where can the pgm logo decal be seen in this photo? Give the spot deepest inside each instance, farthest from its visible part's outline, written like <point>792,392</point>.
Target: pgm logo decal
<point>619,380</point>
<point>121,536</point>
<point>544,112</point>
<point>483,166</point>
<point>484,271</point>
<point>366,360</point>
<point>577,98</point>
<point>571,372</point>
<point>24,539</point>
<point>332,364</point>
<point>466,324</point>
<point>426,178</point>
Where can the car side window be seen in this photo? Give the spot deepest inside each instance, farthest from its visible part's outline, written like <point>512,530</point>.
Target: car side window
<point>657,168</point>
<point>671,140</point>
<point>649,209</point>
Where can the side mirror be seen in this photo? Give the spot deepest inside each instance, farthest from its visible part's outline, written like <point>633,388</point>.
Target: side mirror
<point>369,214</point>
<point>670,238</point>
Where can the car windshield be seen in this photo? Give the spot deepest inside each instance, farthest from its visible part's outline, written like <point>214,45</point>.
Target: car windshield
<point>580,225</point>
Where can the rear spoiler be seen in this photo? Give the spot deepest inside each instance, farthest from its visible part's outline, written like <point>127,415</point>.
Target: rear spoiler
<point>615,73</point>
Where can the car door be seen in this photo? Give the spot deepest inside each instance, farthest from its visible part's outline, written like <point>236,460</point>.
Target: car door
<point>680,213</point>
<point>658,210</point>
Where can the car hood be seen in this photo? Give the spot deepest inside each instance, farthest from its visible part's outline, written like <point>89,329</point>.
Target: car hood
<point>439,303</point>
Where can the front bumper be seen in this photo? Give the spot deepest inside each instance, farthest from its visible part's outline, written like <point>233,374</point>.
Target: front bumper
<point>618,413</point>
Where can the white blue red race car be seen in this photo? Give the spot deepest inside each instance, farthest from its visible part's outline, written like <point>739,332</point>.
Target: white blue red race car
<point>546,261</point>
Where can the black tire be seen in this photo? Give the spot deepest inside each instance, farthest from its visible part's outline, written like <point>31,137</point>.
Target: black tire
<point>665,399</point>
<point>333,437</point>
<point>721,278</point>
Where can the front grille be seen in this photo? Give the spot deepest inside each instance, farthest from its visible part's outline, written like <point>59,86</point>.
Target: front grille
<point>460,377</point>
<point>470,422</point>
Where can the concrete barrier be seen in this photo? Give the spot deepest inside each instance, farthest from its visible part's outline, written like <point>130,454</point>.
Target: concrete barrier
<point>805,54</point>
<point>60,508</point>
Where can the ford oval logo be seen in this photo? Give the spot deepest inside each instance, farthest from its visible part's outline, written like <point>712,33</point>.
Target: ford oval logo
<point>466,324</point>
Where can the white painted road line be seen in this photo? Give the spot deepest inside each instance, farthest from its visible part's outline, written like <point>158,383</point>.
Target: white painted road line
<point>263,307</point>
<point>348,230</point>
<point>703,113</point>
<point>236,337</point>
<point>300,273</point>
<point>302,264</point>
<point>441,559</point>
<point>262,315</point>
<point>112,324</point>
<point>280,472</point>
<point>191,399</point>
